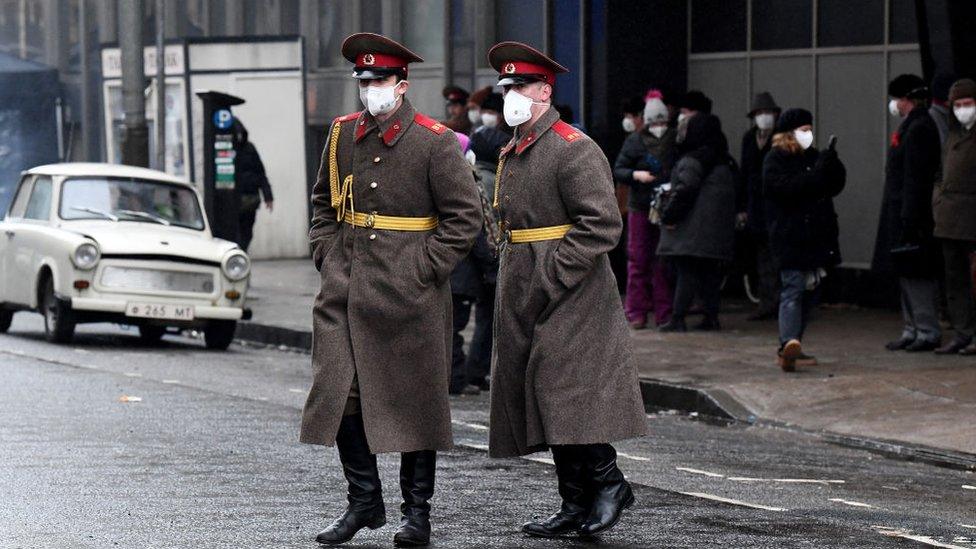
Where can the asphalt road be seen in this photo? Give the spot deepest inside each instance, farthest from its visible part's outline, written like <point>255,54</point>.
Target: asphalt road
<point>204,454</point>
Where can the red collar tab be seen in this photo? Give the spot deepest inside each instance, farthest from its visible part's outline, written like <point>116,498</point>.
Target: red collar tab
<point>380,61</point>
<point>361,128</point>
<point>525,142</point>
<point>524,68</point>
<point>895,139</point>
<point>347,117</point>
<point>567,132</point>
<point>390,134</point>
<point>429,123</point>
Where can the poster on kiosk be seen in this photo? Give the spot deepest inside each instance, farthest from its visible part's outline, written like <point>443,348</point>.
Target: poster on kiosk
<point>267,76</point>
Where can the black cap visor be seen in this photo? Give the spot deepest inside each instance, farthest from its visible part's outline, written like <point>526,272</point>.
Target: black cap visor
<point>374,73</point>
<point>518,79</point>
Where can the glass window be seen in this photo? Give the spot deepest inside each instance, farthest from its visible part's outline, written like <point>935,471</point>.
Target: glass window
<point>335,24</point>
<point>39,205</point>
<point>846,23</point>
<point>20,202</point>
<point>423,28</point>
<point>904,25</point>
<point>782,24</point>
<point>718,25</point>
<point>135,200</point>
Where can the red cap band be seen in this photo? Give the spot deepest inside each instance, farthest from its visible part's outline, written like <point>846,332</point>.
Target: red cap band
<point>380,60</point>
<point>526,68</point>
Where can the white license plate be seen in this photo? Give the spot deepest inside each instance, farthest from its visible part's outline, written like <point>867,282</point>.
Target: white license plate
<point>165,311</point>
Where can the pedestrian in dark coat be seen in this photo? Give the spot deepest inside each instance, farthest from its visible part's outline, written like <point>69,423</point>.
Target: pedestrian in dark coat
<point>562,375</point>
<point>954,203</point>
<point>799,184</point>
<point>905,246</point>
<point>395,207</point>
<point>756,144</point>
<point>644,164</point>
<point>250,179</point>
<point>698,220</point>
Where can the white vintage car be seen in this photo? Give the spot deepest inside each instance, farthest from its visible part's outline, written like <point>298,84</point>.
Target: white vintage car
<point>108,243</point>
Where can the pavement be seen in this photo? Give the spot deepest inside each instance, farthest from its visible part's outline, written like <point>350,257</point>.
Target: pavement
<point>106,442</point>
<point>917,406</point>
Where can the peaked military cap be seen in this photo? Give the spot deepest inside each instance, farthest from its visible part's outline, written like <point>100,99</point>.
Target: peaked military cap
<point>455,94</point>
<point>518,63</point>
<point>376,56</point>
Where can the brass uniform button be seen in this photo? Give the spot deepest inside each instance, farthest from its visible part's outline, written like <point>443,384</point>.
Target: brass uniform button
<point>372,236</point>
<point>376,160</point>
<point>373,185</point>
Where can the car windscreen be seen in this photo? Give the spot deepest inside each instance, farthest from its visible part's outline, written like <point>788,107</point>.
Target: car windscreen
<point>127,199</point>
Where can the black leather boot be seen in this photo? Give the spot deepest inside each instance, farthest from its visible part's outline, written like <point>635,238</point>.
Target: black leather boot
<point>417,485</point>
<point>571,474</point>
<point>611,493</point>
<point>365,509</point>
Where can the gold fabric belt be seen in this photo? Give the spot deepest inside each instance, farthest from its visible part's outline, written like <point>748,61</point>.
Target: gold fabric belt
<point>555,232</point>
<point>390,222</point>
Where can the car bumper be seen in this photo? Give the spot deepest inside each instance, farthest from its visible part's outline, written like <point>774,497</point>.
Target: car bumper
<point>115,306</point>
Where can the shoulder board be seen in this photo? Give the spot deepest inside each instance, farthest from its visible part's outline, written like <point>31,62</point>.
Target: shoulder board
<point>348,117</point>
<point>566,131</point>
<point>429,123</point>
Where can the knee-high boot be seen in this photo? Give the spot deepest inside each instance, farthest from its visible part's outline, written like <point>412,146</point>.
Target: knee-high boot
<point>417,485</point>
<point>571,475</point>
<point>365,496</point>
<point>611,492</point>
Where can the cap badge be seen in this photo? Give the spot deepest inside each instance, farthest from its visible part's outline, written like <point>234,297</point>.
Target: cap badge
<point>510,68</point>
<point>369,60</point>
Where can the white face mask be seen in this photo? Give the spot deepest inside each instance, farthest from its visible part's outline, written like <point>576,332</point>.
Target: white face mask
<point>658,131</point>
<point>682,117</point>
<point>474,116</point>
<point>893,107</point>
<point>518,108</point>
<point>489,120</point>
<point>804,138</point>
<point>379,99</point>
<point>765,121</point>
<point>628,124</point>
<point>965,115</point>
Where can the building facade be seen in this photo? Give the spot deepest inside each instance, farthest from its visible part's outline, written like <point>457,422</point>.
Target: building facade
<point>833,57</point>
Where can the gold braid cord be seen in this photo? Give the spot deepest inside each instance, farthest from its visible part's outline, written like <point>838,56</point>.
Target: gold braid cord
<point>498,180</point>
<point>336,197</point>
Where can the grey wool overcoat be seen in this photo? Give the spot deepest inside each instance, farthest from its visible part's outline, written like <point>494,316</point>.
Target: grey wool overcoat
<point>561,368</point>
<point>383,311</point>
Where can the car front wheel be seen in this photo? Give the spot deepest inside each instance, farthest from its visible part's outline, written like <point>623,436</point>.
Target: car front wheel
<point>219,334</point>
<point>6,317</point>
<point>59,327</point>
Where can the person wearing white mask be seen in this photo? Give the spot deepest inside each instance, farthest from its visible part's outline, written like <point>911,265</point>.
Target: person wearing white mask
<point>955,211</point>
<point>905,247</point>
<point>633,111</point>
<point>756,143</point>
<point>799,185</point>
<point>550,389</point>
<point>394,208</point>
<point>644,164</point>
<point>690,104</point>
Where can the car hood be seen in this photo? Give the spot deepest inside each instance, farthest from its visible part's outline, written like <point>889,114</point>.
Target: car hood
<point>126,238</point>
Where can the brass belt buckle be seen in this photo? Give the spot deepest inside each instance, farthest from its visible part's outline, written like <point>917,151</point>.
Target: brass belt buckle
<point>370,220</point>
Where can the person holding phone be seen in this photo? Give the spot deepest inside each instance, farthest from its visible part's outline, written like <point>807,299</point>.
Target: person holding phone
<point>799,185</point>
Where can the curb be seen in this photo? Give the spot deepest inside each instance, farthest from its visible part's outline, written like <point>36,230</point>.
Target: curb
<point>253,332</point>
<point>716,403</point>
<point>658,394</point>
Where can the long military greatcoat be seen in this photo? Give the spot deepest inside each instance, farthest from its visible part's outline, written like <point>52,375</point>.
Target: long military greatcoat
<point>384,308</point>
<point>561,369</point>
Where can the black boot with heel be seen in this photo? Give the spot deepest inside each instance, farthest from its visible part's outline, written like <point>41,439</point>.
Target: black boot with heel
<point>417,485</point>
<point>571,474</point>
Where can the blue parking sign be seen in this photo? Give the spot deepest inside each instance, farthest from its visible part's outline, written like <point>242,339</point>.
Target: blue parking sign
<point>223,119</point>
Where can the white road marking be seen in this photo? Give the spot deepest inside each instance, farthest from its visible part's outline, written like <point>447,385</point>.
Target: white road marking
<point>970,526</point>
<point>469,425</point>
<point>541,459</point>
<point>171,381</point>
<point>699,472</point>
<point>132,374</point>
<point>720,499</point>
<point>296,391</point>
<point>482,447</point>
<point>788,480</point>
<point>635,458</point>
<point>968,487</point>
<point>925,540</point>
<point>852,503</point>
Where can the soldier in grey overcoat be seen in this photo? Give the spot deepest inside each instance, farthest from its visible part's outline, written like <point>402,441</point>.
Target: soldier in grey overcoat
<point>562,375</point>
<point>395,207</point>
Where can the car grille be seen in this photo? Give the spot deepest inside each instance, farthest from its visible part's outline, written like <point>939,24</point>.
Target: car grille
<point>134,278</point>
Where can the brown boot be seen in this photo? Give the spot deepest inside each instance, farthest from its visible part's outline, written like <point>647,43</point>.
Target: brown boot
<point>788,355</point>
<point>806,360</point>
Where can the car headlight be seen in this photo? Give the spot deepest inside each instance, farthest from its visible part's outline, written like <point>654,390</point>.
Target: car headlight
<point>86,256</point>
<point>236,266</point>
